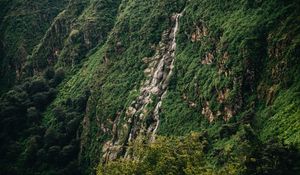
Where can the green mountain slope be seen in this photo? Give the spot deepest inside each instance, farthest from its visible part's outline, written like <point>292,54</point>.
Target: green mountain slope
<point>22,24</point>
<point>150,87</point>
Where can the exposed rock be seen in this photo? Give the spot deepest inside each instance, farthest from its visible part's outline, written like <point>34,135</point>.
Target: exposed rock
<point>189,102</point>
<point>147,60</point>
<point>130,111</point>
<point>192,104</point>
<point>228,114</point>
<point>206,111</point>
<point>221,64</point>
<point>208,59</point>
<point>103,128</point>
<point>223,95</point>
<point>110,151</point>
<point>219,113</point>
<point>199,32</point>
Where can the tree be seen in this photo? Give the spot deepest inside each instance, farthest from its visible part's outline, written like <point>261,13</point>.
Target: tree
<point>40,100</point>
<point>59,113</point>
<point>38,85</point>
<point>68,152</point>
<point>33,114</point>
<point>49,73</point>
<point>59,76</point>
<point>53,154</point>
<point>50,137</point>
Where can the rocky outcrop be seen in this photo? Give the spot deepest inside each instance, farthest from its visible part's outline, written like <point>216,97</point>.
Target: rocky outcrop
<point>200,30</point>
<point>209,57</point>
<point>206,111</point>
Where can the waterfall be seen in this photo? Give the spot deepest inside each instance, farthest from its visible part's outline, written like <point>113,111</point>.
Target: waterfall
<point>158,75</point>
<point>173,49</point>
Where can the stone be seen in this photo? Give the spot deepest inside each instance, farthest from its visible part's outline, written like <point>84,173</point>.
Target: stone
<point>130,111</point>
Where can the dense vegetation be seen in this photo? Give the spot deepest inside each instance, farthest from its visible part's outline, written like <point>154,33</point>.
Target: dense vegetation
<point>27,140</point>
<point>192,155</point>
<point>22,25</point>
<point>70,70</point>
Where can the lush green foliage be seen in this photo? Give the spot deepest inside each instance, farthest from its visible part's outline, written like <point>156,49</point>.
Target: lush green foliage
<point>28,146</point>
<point>241,36</point>
<point>237,64</point>
<point>18,20</point>
<point>193,154</point>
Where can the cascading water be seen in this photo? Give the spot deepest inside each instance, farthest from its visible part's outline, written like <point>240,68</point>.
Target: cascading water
<point>166,82</point>
<point>158,75</point>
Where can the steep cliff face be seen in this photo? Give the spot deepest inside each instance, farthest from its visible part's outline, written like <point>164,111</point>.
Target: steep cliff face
<point>151,87</point>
